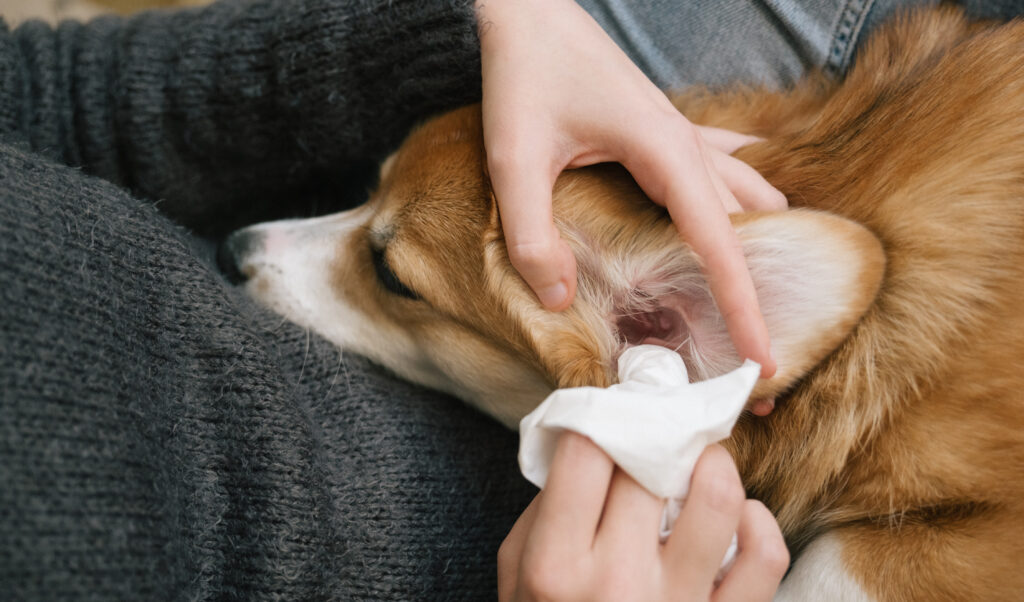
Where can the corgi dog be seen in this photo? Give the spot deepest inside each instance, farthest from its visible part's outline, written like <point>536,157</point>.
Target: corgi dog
<point>893,292</point>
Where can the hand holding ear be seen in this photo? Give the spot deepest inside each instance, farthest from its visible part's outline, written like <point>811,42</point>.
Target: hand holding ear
<point>557,94</point>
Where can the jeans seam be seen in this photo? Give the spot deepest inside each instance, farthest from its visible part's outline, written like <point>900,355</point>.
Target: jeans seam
<point>844,35</point>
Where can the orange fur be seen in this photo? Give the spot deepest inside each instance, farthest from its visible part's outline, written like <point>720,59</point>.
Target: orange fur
<point>899,426</point>
<point>908,439</point>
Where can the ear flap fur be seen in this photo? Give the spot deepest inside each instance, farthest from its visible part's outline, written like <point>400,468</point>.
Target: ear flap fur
<point>815,275</point>
<point>569,350</point>
<point>572,361</point>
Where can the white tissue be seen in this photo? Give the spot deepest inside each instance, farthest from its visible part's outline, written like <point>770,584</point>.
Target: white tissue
<point>654,424</point>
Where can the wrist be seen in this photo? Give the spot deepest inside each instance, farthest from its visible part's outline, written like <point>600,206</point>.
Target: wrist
<point>506,12</point>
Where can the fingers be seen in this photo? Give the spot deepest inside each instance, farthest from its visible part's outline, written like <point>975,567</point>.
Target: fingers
<point>726,141</point>
<point>763,406</point>
<point>578,479</point>
<point>762,560</point>
<point>729,202</point>
<point>706,524</point>
<point>551,552</point>
<point>629,526</point>
<point>740,186</point>
<point>753,192</point>
<point>682,182</point>
<point>548,552</point>
<point>731,286</point>
<point>542,258</point>
<point>511,550</point>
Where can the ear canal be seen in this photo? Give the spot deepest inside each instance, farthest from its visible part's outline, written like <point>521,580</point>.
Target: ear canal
<point>672,307</point>
<point>815,275</point>
<point>652,324</point>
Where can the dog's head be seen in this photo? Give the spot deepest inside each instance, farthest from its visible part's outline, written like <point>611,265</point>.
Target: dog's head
<point>418,279</point>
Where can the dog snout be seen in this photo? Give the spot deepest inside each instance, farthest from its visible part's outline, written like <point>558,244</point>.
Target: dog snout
<point>232,253</point>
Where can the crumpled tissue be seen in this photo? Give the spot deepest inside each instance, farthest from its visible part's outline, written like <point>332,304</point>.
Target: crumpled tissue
<point>654,424</point>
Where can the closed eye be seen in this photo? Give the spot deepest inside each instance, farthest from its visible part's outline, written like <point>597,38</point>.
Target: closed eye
<point>387,278</point>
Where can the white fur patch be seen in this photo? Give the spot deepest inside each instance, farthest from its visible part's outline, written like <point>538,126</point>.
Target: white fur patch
<point>807,271</point>
<point>290,273</point>
<point>819,575</point>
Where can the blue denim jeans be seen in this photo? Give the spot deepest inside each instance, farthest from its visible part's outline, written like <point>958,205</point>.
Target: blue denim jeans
<point>769,42</point>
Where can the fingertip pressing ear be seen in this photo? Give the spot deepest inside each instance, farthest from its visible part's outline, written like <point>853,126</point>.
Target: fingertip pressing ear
<point>535,248</point>
<point>815,275</point>
<point>560,295</point>
<point>564,343</point>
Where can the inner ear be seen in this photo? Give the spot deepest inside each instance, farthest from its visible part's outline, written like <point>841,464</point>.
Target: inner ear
<point>815,275</point>
<point>653,323</point>
<point>677,311</point>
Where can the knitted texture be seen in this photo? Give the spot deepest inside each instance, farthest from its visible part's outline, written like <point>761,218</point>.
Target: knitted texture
<point>161,436</point>
<point>226,109</point>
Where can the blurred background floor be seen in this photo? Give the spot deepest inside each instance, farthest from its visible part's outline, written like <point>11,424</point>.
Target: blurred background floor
<point>16,11</point>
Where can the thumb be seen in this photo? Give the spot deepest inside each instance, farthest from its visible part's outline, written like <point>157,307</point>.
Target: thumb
<point>535,248</point>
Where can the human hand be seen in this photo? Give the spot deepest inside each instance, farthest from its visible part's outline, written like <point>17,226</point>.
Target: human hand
<point>557,94</point>
<point>592,534</point>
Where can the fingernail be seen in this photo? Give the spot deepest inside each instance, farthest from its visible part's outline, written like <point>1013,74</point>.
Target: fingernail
<point>763,407</point>
<point>769,369</point>
<point>554,295</point>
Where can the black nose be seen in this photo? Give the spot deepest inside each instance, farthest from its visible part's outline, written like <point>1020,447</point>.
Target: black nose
<point>232,252</point>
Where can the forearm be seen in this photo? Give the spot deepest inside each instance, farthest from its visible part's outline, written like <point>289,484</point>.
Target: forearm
<point>238,101</point>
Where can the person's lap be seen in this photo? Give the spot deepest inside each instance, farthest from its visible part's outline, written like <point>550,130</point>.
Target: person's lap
<point>356,428</point>
<point>771,42</point>
<point>151,415</point>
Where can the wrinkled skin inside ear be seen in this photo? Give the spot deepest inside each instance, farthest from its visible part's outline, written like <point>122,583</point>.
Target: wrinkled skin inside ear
<point>815,275</point>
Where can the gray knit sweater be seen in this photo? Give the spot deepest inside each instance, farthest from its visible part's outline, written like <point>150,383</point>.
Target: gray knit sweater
<point>161,437</point>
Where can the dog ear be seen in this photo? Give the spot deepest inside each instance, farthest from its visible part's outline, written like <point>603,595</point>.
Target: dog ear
<point>573,358</point>
<point>570,348</point>
<point>815,275</point>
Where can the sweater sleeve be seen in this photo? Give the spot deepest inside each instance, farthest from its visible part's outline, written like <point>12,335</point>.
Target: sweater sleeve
<point>209,111</point>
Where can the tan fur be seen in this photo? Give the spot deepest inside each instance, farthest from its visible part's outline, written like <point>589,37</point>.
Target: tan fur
<point>909,436</point>
<point>899,428</point>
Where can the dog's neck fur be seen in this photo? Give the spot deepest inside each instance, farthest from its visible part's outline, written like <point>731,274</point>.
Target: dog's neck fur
<point>955,257</point>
